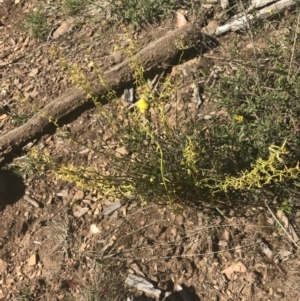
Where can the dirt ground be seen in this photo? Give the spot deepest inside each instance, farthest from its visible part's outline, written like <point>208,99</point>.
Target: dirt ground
<point>52,251</point>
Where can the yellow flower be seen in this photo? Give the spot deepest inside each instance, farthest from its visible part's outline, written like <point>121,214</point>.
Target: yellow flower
<point>239,118</point>
<point>142,105</point>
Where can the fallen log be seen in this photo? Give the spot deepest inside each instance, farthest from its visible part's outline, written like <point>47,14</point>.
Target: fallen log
<point>159,53</point>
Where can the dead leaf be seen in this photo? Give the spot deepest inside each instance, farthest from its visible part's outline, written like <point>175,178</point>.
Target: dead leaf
<point>33,72</point>
<point>121,151</point>
<point>124,212</point>
<point>267,251</point>
<point>238,267</point>
<point>207,6</point>
<point>84,151</point>
<point>181,20</point>
<point>78,196</point>
<point>110,243</point>
<point>287,225</point>
<point>238,250</point>
<point>82,247</point>
<point>63,193</point>
<point>226,235</point>
<point>111,208</point>
<point>96,212</point>
<point>211,27</point>
<point>28,146</point>
<point>250,46</point>
<point>28,88</point>
<point>64,26</point>
<point>136,269</point>
<point>25,43</point>
<point>224,4</point>
<point>79,212</point>
<point>34,93</point>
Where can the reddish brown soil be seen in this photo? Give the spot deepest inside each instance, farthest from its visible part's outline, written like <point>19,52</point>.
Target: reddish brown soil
<point>47,251</point>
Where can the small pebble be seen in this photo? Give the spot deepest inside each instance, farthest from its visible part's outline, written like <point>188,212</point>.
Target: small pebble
<point>278,295</point>
<point>180,219</point>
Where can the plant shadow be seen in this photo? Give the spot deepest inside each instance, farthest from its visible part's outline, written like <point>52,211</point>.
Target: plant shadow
<point>12,188</point>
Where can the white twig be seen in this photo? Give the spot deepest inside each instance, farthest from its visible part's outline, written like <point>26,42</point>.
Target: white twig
<point>294,45</point>
<point>242,20</point>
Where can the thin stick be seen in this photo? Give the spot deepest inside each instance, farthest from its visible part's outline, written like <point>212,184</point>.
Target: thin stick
<point>294,46</point>
<point>288,235</point>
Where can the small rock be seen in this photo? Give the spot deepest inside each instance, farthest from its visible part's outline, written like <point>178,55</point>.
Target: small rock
<point>278,295</point>
<point>33,72</point>
<point>94,229</point>
<point>63,28</point>
<point>174,231</point>
<point>121,151</point>
<point>117,56</point>
<point>32,260</point>
<point>142,284</point>
<point>180,219</point>
<point>63,193</point>
<point>3,266</point>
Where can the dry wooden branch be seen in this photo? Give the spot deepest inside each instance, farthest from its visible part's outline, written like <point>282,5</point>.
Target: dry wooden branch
<point>242,20</point>
<point>159,53</point>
